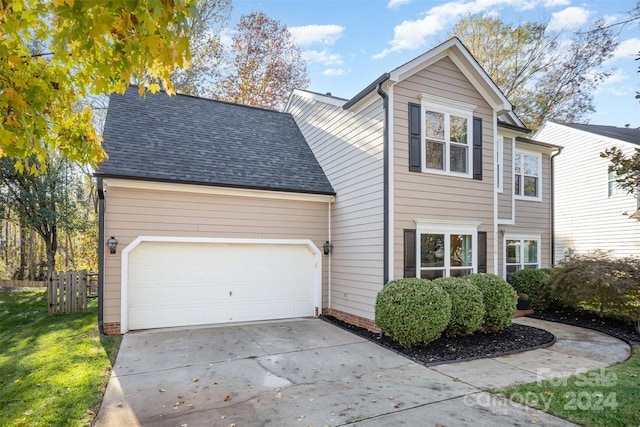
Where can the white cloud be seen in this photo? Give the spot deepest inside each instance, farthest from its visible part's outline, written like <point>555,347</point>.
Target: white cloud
<point>570,17</point>
<point>627,49</point>
<point>333,72</point>
<point>309,34</point>
<point>394,4</point>
<point>554,3</point>
<point>323,57</point>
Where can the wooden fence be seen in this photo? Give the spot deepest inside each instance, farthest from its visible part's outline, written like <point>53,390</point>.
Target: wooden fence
<point>23,284</point>
<point>67,291</point>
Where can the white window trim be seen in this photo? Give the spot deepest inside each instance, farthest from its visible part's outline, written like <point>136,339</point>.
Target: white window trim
<point>538,198</point>
<point>500,164</point>
<point>617,192</point>
<point>447,228</point>
<point>448,107</point>
<point>521,237</point>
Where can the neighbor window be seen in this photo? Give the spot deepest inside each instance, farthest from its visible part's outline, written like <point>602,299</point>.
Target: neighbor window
<point>445,254</point>
<point>614,189</point>
<point>527,171</point>
<point>521,253</point>
<point>447,139</point>
<point>499,163</point>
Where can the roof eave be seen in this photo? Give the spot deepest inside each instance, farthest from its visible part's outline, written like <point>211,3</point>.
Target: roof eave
<point>364,92</point>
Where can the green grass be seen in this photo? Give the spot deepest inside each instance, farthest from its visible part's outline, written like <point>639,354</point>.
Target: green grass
<point>53,369</point>
<point>607,397</point>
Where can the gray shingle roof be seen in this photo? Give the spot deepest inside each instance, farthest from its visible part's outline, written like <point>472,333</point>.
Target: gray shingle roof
<point>201,141</point>
<point>631,135</point>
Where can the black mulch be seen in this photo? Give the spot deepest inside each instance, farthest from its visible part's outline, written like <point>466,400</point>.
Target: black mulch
<point>514,339</point>
<point>586,319</point>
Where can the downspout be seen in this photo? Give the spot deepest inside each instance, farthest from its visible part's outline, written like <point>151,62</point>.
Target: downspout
<point>552,208</point>
<point>328,264</point>
<point>101,269</point>
<point>385,208</point>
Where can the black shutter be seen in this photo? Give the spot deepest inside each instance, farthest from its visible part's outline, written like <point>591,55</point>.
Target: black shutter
<point>482,251</point>
<point>477,148</point>
<point>409,253</point>
<point>415,137</point>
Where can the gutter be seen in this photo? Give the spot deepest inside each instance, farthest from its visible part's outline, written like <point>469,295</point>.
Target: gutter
<point>385,209</point>
<point>364,92</point>
<point>552,209</point>
<point>101,243</point>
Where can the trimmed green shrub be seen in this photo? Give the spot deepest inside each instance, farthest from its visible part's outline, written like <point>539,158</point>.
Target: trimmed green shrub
<point>599,282</point>
<point>499,301</point>
<point>535,284</point>
<point>413,311</point>
<point>467,308</point>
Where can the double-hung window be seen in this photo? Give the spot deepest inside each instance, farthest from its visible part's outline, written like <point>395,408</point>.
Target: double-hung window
<point>527,169</point>
<point>521,252</point>
<point>446,251</point>
<point>447,140</point>
<point>614,189</point>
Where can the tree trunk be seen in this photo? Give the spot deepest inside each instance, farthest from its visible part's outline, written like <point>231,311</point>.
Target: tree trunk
<point>51,245</point>
<point>20,272</point>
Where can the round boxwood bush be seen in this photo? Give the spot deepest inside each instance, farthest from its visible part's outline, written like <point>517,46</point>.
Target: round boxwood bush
<point>413,311</point>
<point>535,284</point>
<point>499,301</point>
<point>467,308</point>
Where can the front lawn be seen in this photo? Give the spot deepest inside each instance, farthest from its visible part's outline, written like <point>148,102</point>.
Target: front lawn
<point>53,369</point>
<point>607,397</point>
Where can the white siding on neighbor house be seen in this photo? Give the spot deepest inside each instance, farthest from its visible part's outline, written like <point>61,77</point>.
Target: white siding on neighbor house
<point>586,218</point>
<point>130,213</point>
<point>348,146</point>
<point>435,196</point>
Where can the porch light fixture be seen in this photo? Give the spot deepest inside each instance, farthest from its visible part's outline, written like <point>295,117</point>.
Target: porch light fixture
<point>113,244</point>
<point>328,247</point>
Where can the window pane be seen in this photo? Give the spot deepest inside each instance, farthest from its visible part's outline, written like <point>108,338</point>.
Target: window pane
<point>432,250</point>
<point>516,163</point>
<point>531,165</point>
<point>435,155</point>
<point>431,274</point>
<point>512,269</point>
<point>516,185</point>
<point>513,251</point>
<point>531,251</point>
<point>458,131</point>
<point>455,272</point>
<point>458,158</point>
<point>435,125</point>
<point>461,253</point>
<point>530,186</point>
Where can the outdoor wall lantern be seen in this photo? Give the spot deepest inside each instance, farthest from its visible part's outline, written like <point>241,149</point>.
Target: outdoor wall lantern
<point>328,247</point>
<point>113,244</point>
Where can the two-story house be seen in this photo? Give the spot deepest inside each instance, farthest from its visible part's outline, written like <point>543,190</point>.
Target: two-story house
<point>591,211</point>
<point>218,212</point>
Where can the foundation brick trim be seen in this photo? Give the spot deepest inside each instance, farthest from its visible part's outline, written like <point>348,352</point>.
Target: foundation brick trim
<point>111,328</point>
<point>352,319</point>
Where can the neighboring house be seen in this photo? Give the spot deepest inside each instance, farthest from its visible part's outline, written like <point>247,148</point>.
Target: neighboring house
<point>223,212</point>
<point>591,212</point>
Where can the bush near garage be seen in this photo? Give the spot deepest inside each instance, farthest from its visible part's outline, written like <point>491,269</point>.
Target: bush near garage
<point>499,301</point>
<point>535,283</point>
<point>467,307</point>
<point>413,311</point>
<point>599,282</point>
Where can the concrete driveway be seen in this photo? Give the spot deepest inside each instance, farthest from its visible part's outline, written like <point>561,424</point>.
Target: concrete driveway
<point>304,372</point>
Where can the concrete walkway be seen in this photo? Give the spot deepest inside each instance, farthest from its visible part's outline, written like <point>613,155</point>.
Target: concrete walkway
<point>309,372</point>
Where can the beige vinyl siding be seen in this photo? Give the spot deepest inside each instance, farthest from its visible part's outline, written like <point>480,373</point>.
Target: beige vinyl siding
<point>349,149</point>
<point>533,217</point>
<point>130,213</point>
<point>586,218</point>
<point>505,199</point>
<point>433,196</point>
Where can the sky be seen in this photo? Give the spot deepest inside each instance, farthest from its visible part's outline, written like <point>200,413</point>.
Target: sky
<point>350,43</point>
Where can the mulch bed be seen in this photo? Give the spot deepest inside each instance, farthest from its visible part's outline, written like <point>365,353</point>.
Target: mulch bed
<point>514,339</point>
<point>586,319</point>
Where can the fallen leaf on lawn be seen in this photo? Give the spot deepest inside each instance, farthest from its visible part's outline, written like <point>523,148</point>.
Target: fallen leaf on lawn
<point>373,401</point>
<point>456,379</point>
<point>227,399</point>
<point>190,405</point>
<point>195,380</point>
<point>161,390</point>
<point>547,393</point>
<point>278,395</point>
<point>535,415</point>
<point>215,383</point>
<point>90,412</point>
<point>119,405</point>
<point>184,425</point>
<point>439,425</point>
<point>390,397</point>
<point>397,405</point>
<point>180,396</point>
<point>29,412</point>
<point>232,425</point>
<point>534,422</point>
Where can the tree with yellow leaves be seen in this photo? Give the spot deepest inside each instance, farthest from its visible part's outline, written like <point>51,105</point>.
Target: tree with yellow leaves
<point>86,47</point>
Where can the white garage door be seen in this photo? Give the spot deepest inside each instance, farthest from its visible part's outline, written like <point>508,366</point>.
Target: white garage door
<point>180,284</point>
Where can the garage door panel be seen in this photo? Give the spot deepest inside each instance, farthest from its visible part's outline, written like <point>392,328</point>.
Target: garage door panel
<point>180,284</point>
